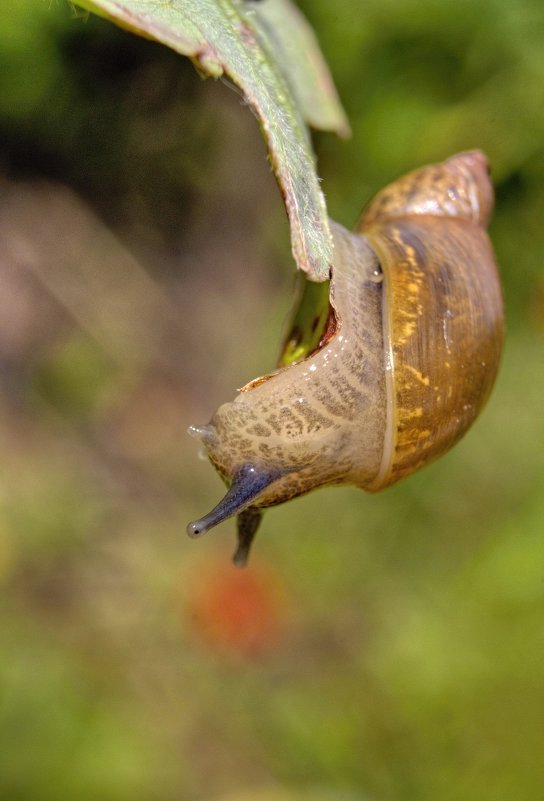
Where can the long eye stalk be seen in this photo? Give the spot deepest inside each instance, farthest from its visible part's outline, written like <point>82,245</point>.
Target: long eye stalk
<point>247,484</point>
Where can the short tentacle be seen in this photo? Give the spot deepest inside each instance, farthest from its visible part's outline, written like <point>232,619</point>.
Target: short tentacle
<point>248,522</point>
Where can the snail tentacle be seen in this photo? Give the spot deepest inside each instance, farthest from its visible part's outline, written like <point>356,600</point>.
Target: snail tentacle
<point>248,521</point>
<point>246,485</point>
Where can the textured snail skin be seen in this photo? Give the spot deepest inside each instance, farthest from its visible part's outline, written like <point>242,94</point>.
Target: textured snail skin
<point>404,371</point>
<point>322,420</point>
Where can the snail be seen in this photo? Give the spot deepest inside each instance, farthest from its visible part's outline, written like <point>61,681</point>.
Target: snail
<point>405,357</point>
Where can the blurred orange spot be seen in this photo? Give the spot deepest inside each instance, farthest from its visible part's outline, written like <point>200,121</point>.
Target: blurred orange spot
<point>238,610</point>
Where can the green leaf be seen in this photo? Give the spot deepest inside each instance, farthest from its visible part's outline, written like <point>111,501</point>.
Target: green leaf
<point>308,323</point>
<point>269,51</point>
<point>295,46</point>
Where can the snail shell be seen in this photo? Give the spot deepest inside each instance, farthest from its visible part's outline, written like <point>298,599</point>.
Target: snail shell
<point>404,365</point>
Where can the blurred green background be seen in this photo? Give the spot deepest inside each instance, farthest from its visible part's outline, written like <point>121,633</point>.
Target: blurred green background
<point>378,648</point>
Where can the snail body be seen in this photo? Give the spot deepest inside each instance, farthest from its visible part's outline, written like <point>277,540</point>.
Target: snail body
<point>406,361</point>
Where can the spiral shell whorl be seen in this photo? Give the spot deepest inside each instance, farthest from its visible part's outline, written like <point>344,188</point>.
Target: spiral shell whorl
<point>458,187</point>
<point>443,315</point>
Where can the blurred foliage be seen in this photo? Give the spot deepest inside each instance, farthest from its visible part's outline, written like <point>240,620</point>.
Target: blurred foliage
<point>391,647</point>
<point>271,54</point>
